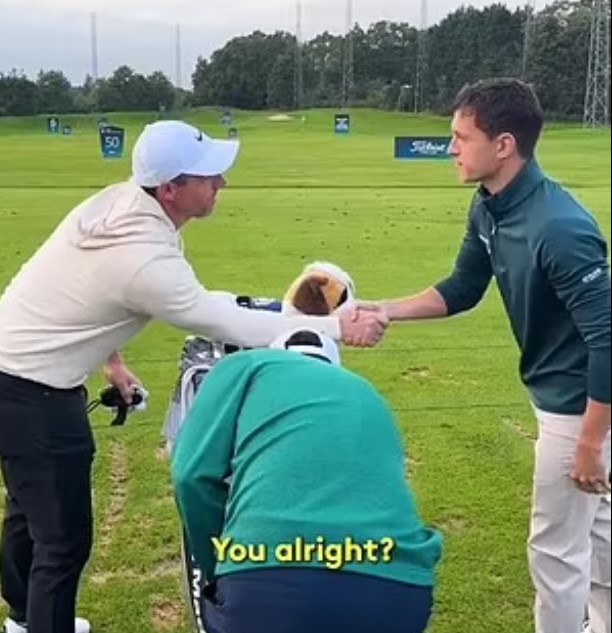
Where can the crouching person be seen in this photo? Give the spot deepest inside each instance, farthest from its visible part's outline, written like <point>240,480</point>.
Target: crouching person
<point>289,475</point>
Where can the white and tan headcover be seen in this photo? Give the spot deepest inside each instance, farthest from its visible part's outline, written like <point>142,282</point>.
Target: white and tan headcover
<point>321,289</point>
<point>310,343</point>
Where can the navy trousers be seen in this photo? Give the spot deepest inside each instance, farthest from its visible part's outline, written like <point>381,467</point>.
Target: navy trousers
<point>304,600</point>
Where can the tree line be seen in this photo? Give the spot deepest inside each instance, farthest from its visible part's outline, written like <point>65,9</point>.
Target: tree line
<point>389,65</point>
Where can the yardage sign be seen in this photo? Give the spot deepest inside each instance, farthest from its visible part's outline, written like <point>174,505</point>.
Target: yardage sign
<point>342,123</point>
<point>112,139</point>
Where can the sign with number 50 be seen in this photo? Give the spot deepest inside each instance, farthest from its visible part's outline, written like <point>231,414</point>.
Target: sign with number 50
<point>112,140</point>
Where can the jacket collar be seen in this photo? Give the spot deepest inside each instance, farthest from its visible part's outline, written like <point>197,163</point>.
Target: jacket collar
<point>523,185</point>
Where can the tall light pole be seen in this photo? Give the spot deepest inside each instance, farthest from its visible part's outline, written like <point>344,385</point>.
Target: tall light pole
<point>597,96</point>
<point>347,66</point>
<point>298,89</point>
<point>93,27</point>
<point>528,36</point>
<point>421,59</point>
<point>178,61</point>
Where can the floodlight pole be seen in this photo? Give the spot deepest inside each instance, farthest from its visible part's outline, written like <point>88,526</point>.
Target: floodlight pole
<point>597,95</point>
<point>298,95</point>
<point>94,59</point>
<point>530,8</point>
<point>94,46</point>
<point>178,62</point>
<point>421,58</point>
<point>347,66</point>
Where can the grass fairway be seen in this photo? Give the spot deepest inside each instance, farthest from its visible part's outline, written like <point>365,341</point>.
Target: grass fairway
<point>299,193</point>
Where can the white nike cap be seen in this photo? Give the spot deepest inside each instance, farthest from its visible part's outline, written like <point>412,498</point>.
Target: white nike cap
<point>310,343</point>
<point>167,149</point>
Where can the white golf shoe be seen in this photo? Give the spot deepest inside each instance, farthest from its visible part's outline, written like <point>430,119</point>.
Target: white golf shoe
<point>10,626</point>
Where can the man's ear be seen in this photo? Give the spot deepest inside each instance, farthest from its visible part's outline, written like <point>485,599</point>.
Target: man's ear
<point>164,193</point>
<point>506,145</point>
<point>309,297</point>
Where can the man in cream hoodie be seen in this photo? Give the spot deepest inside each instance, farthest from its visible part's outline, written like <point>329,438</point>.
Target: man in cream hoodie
<point>114,264</point>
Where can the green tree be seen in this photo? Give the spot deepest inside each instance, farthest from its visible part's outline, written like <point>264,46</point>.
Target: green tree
<point>558,61</point>
<point>161,91</point>
<point>54,92</point>
<point>241,73</point>
<point>18,95</point>
<point>201,80</point>
<point>281,81</point>
<point>323,55</point>
<point>85,97</point>
<point>469,45</point>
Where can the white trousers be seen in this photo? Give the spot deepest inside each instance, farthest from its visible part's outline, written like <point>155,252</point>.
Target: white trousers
<point>569,544</point>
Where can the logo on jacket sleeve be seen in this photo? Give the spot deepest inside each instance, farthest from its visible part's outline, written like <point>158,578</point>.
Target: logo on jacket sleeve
<point>592,276</point>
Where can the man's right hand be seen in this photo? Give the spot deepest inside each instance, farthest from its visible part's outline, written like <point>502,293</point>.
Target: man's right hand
<point>118,375</point>
<point>371,306</point>
<point>363,327</point>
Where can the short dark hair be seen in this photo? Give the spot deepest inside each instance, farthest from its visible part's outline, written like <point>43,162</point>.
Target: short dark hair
<point>180,180</point>
<point>310,339</point>
<point>303,337</point>
<point>504,105</point>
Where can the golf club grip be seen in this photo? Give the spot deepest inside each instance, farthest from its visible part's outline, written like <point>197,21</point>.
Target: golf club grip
<point>193,583</point>
<point>121,416</point>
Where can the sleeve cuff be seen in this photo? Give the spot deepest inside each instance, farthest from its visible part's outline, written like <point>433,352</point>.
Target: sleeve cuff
<point>600,376</point>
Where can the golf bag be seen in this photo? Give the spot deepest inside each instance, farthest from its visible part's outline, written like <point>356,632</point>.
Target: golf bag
<point>198,356</point>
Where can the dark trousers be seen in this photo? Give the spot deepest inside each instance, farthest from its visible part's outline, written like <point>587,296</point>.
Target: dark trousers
<point>290,600</point>
<point>46,452</point>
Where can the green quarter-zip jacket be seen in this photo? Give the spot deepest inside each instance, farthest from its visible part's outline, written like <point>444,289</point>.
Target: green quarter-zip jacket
<point>550,262</point>
<point>315,461</point>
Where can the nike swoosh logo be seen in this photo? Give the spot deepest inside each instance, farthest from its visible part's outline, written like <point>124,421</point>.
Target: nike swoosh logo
<point>199,136</point>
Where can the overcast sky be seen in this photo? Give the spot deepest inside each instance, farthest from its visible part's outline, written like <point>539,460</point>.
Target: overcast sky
<point>56,34</point>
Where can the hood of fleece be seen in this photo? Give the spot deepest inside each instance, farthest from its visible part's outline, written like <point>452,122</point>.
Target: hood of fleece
<point>120,214</point>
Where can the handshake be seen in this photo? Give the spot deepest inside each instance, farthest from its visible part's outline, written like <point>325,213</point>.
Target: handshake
<point>325,289</point>
<point>364,325</point>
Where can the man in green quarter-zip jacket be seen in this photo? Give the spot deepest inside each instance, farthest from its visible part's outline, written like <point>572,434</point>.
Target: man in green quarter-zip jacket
<point>549,259</point>
<point>318,530</point>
